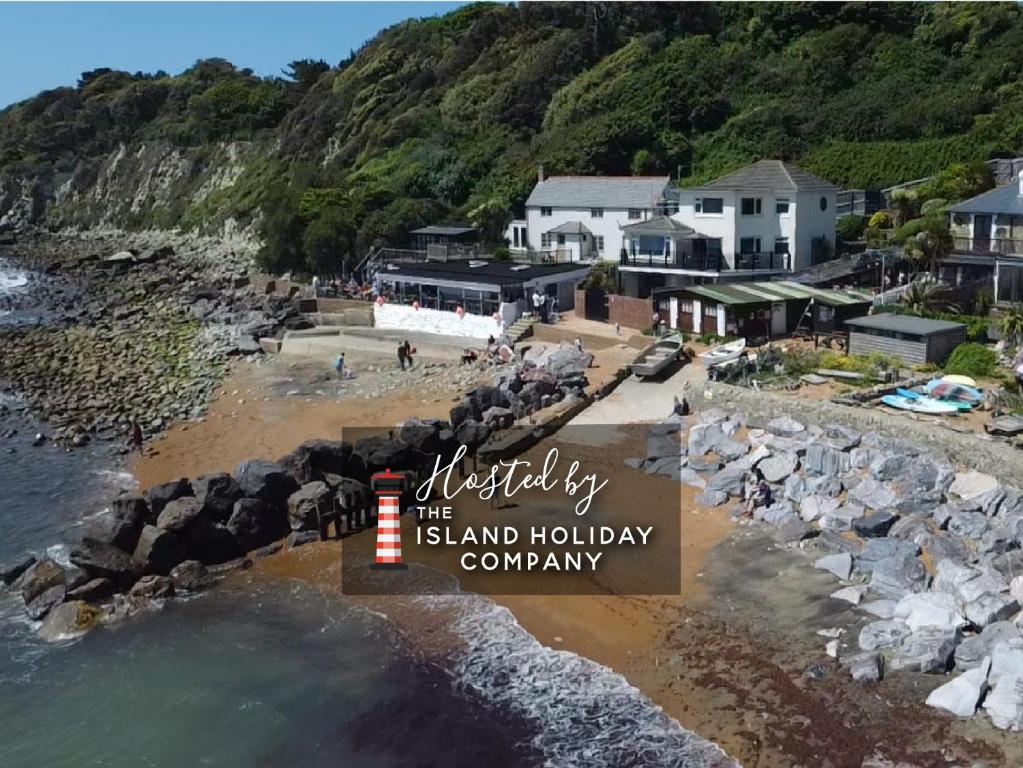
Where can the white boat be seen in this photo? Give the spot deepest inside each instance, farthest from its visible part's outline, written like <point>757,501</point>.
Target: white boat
<point>723,353</point>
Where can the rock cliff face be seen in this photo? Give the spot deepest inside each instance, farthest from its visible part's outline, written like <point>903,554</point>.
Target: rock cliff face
<point>145,185</point>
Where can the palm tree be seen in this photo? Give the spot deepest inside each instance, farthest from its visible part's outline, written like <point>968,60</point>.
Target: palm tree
<point>931,245</point>
<point>1012,324</point>
<point>924,297</point>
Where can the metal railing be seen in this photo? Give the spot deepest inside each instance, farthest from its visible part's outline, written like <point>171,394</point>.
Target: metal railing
<point>754,262</point>
<point>985,246</point>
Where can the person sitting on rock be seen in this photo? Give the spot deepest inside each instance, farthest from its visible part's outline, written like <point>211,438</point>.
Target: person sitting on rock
<point>761,497</point>
<point>468,356</point>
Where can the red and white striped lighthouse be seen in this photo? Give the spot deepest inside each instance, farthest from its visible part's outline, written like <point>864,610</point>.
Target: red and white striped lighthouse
<point>388,487</point>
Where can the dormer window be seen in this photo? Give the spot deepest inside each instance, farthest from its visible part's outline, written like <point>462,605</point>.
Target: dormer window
<point>635,214</point>
<point>596,213</point>
<point>545,211</point>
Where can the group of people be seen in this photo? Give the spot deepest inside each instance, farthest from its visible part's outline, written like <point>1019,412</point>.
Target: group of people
<point>544,307</point>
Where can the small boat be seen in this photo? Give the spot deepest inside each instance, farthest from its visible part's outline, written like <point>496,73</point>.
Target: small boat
<point>658,357</point>
<point>966,381</point>
<point>942,389</point>
<point>919,404</point>
<point>723,353</point>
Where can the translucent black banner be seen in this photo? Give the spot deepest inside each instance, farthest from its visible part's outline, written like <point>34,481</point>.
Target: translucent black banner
<point>430,510</point>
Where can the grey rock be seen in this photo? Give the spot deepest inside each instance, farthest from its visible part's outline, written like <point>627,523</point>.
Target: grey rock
<point>46,601</point>
<point>842,518</point>
<point>783,426</point>
<point>778,513</point>
<point>841,437</point>
<point>158,551</point>
<point>160,495</point>
<point>919,504</point>
<point>216,494</point>
<point>971,651</point>
<point>962,695</point>
<point>704,438</point>
<point>133,509</point>
<point>778,467</point>
<point>867,667</point>
<point>971,484</point>
<point>814,506</point>
<point>886,633</point>
<point>997,541</point>
<point>874,525</point>
<point>927,650</point>
<point>705,465</point>
<point>794,531</point>
<point>39,577</point>
<point>833,542</point>
<point>179,513</point>
<point>795,488</point>
<point>1004,704</point>
<point>969,525</point>
<point>92,591</point>
<point>11,571</point>
<point>305,504</point>
<point>712,416</point>
<point>254,523</point>
<point>69,620</point>
<point>102,560</point>
<point>1009,565</point>
<point>301,538</point>
<point>191,576</point>
<point>930,610</point>
<point>823,460</point>
<point>270,482</point>
<point>872,494</point>
<point>711,498</point>
<point>120,532</point>
<point>990,608</point>
<point>840,564</point>
<point>730,450</point>
<point>1006,659</point>
<point>883,609</point>
<point>730,480</point>
<point>153,588</point>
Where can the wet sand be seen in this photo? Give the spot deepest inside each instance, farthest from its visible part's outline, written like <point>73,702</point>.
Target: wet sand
<point>727,657</point>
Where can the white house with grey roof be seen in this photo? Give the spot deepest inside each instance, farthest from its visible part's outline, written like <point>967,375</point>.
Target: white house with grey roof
<point>987,241</point>
<point>768,219</point>
<point>580,218</point>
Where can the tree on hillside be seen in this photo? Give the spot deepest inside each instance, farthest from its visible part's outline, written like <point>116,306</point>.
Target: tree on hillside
<point>305,72</point>
<point>328,242</point>
<point>932,244</point>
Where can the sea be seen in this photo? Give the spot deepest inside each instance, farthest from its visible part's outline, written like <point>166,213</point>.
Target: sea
<point>259,672</point>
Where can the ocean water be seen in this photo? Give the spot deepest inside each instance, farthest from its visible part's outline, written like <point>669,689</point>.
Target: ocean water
<point>261,672</point>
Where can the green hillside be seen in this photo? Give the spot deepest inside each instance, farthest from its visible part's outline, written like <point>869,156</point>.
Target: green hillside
<point>447,118</point>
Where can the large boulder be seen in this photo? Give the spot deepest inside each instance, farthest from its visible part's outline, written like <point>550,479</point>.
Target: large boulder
<point>887,633</point>
<point>43,575</point>
<point>1004,704</point>
<point>133,509</point>
<point>11,571</point>
<point>93,591</point>
<point>43,603</point>
<point>120,532</point>
<point>971,651</point>
<point>778,467</point>
<point>704,438</point>
<point>254,523</point>
<point>158,551</point>
<point>191,576</point>
<point>840,437</point>
<point>822,460</point>
<point>316,458</point>
<point>783,426</point>
<point>840,564</point>
<point>379,453</point>
<point>153,588</point>
<point>872,494</point>
<point>962,695</point>
<point>105,561</point>
<point>928,650</point>
<point>930,610</point>
<point>179,514</point>
<point>472,434</point>
<point>305,504</point>
<point>971,484</point>
<point>267,481</point>
<point>160,495</point>
<point>216,494</point>
<point>69,620</point>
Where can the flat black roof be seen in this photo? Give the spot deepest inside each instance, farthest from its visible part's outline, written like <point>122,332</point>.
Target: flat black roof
<point>479,271</point>
<point>439,229</point>
<point>910,324</point>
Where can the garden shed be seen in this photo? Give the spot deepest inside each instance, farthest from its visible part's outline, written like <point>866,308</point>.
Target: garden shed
<point>914,340</point>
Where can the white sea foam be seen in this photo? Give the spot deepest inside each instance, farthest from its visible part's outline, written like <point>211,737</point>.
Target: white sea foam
<point>586,714</point>
<point>12,281</point>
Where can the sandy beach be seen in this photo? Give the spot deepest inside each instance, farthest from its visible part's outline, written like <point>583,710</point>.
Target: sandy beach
<point>728,658</point>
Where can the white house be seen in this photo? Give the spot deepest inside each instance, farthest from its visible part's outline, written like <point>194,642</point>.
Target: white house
<point>768,219</point>
<point>987,241</point>
<point>580,218</point>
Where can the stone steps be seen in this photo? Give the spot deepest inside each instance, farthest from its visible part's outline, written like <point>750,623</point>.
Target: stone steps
<point>520,329</point>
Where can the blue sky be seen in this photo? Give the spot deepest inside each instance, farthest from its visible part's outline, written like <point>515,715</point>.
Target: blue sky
<point>45,45</point>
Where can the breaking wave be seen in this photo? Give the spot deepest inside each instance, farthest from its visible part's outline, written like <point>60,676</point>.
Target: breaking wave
<point>586,714</point>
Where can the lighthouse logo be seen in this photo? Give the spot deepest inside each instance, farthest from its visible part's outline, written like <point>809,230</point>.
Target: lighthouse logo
<point>388,486</point>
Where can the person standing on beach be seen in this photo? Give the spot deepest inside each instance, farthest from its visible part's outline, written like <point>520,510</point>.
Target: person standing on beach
<point>401,356</point>
<point>135,438</point>
<point>339,365</point>
<point>408,352</point>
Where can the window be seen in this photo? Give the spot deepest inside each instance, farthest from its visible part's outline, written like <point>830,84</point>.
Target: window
<point>561,239</point>
<point>686,306</point>
<point>824,203</point>
<point>545,211</point>
<point>709,206</point>
<point>600,243</point>
<point>710,310</point>
<point>635,213</point>
<point>597,213</point>
<point>752,206</point>
<point>515,236</point>
<point>781,245</point>
<point>749,245</point>
<point>545,240</point>
<point>781,207</point>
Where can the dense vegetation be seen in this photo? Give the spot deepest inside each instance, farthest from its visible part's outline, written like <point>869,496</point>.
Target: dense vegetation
<point>446,118</point>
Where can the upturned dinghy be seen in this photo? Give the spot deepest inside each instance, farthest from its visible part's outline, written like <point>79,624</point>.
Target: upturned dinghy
<point>966,381</point>
<point>919,404</point>
<point>942,389</point>
<point>723,353</point>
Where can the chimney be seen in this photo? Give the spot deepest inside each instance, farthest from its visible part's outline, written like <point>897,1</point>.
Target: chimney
<point>1020,176</point>
<point>540,174</point>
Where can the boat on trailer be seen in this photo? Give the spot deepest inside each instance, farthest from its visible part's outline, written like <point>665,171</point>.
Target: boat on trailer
<point>658,357</point>
<point>723,353</point>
